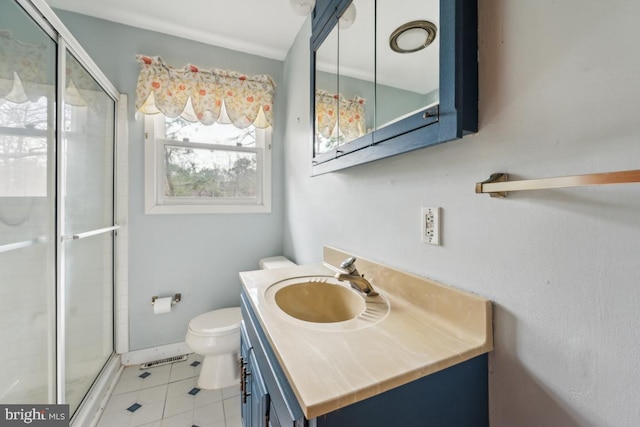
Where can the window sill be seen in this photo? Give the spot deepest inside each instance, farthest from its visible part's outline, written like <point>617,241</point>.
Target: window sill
<point>205,209</point>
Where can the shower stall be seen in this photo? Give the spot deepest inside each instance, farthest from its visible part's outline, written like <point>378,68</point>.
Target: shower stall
<point>58,228</point>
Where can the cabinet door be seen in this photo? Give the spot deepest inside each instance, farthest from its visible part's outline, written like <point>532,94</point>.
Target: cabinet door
<point>274,421</point>
<point>253,392</point>
<point>259,405</point>
<point>280,402</point>
<point>273,417</point>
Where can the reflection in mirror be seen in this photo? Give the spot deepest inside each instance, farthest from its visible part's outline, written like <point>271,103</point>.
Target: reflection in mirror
<point>406,82</point>
<point>356,59</point>
<point>379,65</point>
<point>326,103</point>
<point>416,86</point>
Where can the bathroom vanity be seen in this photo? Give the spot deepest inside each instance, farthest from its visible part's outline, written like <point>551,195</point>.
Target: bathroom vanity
<point>421,362</point>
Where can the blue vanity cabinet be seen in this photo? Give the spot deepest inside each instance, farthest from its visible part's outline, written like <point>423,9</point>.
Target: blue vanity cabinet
<point>454,397</point>
<point>282,409</point>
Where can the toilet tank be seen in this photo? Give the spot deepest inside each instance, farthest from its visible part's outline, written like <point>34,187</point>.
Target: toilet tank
<point>275,262</point>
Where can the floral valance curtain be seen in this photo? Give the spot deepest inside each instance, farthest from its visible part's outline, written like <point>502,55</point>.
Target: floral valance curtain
<point>81,88</point>
<point>23,70</point>
<point>26,74</point>
<point>351,112</point>
<point>204,95</point>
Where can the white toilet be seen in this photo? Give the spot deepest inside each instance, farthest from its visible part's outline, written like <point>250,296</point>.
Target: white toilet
<point>216,336</point>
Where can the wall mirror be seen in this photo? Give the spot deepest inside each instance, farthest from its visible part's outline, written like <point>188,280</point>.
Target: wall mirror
<point>390,76</point>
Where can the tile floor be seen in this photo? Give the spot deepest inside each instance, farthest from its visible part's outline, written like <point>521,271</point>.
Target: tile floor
<point>168,396</point>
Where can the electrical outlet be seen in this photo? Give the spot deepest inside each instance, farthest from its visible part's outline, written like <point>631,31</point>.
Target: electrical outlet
<point>431,225</point>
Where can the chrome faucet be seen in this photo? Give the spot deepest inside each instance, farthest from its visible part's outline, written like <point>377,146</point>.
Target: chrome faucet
<point>355,279</point>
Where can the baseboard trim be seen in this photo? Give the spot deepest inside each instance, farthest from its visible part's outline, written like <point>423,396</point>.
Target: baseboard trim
<point>138,357</point>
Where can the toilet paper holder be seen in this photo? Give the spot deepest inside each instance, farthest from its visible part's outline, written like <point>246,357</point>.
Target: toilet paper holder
<point>174,299</point>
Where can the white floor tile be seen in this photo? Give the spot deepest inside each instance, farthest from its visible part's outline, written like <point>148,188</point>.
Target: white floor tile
<point>231,407</point>
<point>218,423</point>
<point>234,422</point>
<point>121,401</point>
<point>205,397</point>
<point>149,412</point>
<point>130,372</point>
<point>114,419</point>
<point>209,414</point>
<point>126,385</point>
<point>156,378</point>
<point>231,391</point>
<point>153,394</point>
<point>131,379</point>
<point>166,402</point>
<point>181,420</point>
<point>181,387</point>
<point>177,405</point>
<point>183,370</point>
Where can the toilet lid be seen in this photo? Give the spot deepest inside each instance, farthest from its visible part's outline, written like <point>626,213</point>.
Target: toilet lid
<point>217,321</point>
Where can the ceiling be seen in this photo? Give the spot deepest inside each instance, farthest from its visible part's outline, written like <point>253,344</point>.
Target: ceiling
<point>261,27</point>
<point>268,28</point>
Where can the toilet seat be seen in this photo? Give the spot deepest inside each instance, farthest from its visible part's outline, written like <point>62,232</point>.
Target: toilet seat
<point>216,322</point>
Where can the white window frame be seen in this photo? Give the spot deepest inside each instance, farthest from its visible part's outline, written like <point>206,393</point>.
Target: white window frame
<point>157,203</point>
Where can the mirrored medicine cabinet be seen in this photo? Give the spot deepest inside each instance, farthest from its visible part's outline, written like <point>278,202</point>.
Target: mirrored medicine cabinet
<point>390,76</point>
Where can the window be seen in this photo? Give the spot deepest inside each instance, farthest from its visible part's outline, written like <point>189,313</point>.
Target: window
<point>191,168</point>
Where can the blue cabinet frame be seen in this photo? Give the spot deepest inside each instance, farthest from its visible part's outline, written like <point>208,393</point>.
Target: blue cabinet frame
<point>457,112</point>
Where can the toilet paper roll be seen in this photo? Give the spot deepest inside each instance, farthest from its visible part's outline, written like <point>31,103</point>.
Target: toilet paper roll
<point>162,305</point>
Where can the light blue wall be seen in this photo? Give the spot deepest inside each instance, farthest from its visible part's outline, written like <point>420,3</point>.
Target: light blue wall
<point>197,255</point>
<point>557,97</point>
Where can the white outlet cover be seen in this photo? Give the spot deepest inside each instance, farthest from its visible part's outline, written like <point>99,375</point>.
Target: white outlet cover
<point>430,230</point>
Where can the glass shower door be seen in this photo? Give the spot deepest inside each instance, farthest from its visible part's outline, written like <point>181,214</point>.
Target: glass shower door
<point>27,209</point>
<point>87,204</point>
<point>57,232</point>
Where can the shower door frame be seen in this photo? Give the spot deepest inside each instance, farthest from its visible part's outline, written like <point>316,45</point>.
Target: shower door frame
<point>44,17</point>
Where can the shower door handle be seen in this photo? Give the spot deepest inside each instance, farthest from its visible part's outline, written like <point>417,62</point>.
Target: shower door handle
<point>90,233</point>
